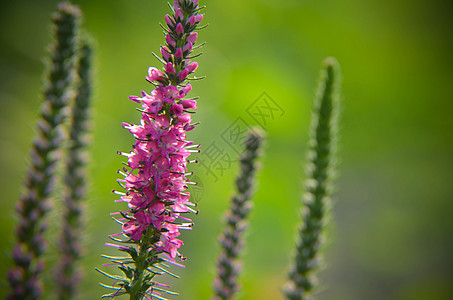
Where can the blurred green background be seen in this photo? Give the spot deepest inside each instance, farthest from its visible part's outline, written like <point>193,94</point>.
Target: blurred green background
<point>391,231</point>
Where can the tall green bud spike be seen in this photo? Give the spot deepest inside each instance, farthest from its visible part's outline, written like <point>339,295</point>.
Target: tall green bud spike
<point>24,276</point>
<point>68,275</point>
<point>229,264</point>
<point>320,170</point>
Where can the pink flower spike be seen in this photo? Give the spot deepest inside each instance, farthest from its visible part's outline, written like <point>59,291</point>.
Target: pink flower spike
<point>165,53</point>
<point>192,38</point>
<point>183,74</point>
<point>187,47</point>
<point>179,15</point>
<point>169,68</point>
<point>155,175</point>
<point>192,67</point>
<point>179,29</point>
<point>170,41</point>
<point>178,54</point>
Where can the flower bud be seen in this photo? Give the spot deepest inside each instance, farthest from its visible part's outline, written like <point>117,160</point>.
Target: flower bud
<point>170,41</point>
<point>191,21</point>
<point>192,67</point>
<point>185,90</point>
<point>136,99</point>
<point>169,68</point>
<point>179,16</point>
<point>189,103</point>
<point>198,18</point>
<point>185,118</point>
<point>187,47</point>
<point>165,53</point>
<point>16,275</point>
<point>178,54</point>
<point>169,20</point>
<point>183,74</point>
<point>192,38</point>
<point>179,29</point>
<point>154,75</point>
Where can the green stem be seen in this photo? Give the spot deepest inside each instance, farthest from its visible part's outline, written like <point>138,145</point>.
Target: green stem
<point>136,291</point>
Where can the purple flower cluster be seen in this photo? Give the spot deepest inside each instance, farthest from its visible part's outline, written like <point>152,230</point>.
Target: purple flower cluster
<point>157,178</point>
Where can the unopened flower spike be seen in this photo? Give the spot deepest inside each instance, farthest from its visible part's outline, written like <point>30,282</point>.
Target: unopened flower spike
<point>25,276</point>
<point>232,240</point>
<point>320,170</point>
<point>156,177</point>
<point>68,273</point>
